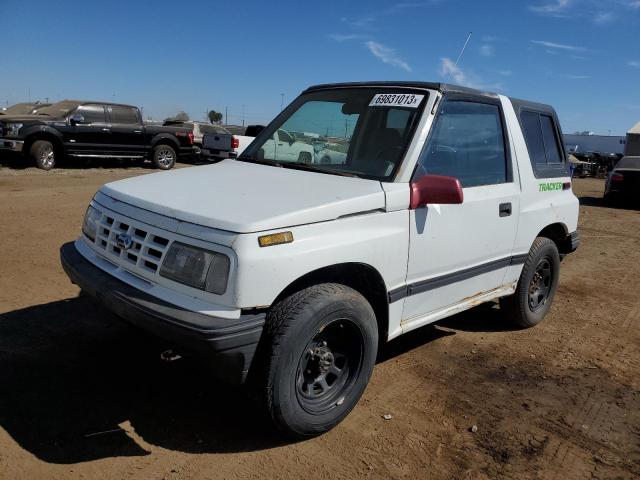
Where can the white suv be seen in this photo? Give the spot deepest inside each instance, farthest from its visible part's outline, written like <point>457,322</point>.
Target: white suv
<point>287,275</point>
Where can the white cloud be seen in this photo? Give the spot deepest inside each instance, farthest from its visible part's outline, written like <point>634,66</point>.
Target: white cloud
<point>603,18</point>
<point>487,50</point>
<point>387,55</point>
<point>504,73</point>
<point>576,77</point>
<point>450,70</point>
<point>340,37</point>
<point>633,63</point>
<point>551,8</point>
<point>559,46</point>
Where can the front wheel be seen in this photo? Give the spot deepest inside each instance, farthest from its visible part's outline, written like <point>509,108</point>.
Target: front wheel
<point>44,154</point>
<point>322,345</point>
<point>164,157</point>
<point>536,287</point>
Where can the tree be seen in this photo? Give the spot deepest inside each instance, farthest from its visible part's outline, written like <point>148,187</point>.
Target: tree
<point>178,117</point>
<point>214,117</point>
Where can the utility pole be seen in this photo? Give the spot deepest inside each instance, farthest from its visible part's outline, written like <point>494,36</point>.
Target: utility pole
<point>29,94</point>
<point>243,115</point>
<point>226,115</point>
<point>281,101</point>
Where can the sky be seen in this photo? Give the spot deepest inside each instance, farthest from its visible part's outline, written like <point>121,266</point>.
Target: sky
<point>581,56</point>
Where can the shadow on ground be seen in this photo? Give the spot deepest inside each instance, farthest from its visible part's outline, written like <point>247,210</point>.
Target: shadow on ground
<point>71,372</point>
<point>624,204</point>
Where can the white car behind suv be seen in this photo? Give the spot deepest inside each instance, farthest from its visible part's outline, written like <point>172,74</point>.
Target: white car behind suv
<point>286,275</point>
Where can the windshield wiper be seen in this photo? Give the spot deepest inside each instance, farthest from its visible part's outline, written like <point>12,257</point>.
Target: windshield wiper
<point>295,165</point>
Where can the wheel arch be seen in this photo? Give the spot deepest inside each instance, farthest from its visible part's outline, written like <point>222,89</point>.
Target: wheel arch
<point>165,139</point>
<point>558,233</point>
<point>42,135</point>
<point>362,277</point>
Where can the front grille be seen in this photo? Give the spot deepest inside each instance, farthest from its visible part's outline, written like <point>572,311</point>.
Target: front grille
<point>146,251</point>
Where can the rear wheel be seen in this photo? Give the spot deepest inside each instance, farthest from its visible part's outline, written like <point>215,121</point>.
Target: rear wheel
<point>321,349</point>
<point>164,157</point>
<point>304,157</point>
<point>536,287</point>
<point>43,154</point>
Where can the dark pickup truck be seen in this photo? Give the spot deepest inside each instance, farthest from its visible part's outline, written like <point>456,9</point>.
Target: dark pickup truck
<point>92,130</point>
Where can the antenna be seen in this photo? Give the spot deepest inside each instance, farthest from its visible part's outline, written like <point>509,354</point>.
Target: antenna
<point>459,56</point>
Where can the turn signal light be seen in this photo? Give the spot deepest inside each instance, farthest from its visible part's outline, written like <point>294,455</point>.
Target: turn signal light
<point>617,177</point>
<point>275,239</point>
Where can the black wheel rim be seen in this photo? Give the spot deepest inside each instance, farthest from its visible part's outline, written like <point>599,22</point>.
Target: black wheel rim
<point>329,366</point>
<point>540,285</point>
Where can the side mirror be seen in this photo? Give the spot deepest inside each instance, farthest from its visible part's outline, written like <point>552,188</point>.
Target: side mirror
<point>76,119</point>
<point>435,189</point>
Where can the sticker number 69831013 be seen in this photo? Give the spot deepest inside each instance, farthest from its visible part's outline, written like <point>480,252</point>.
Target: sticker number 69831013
<point>408,100</point>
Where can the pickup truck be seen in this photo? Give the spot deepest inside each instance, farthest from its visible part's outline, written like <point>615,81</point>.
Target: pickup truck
<point>229,143</point>
<point>287,276</point>
<point>92,130</point>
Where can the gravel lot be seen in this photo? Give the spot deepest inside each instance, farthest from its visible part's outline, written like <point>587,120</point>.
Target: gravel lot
<point>83,396</point>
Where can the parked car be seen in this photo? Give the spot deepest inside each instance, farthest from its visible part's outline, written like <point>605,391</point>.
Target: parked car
<point>282,145</point>
<point>23,108</point>
<point>199,129</point>
<point>623,182</point>
<point>92,130</point>
<point>285,275</point>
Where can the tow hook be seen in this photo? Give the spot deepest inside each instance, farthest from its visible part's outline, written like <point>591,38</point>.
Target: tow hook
<point>170,356</point>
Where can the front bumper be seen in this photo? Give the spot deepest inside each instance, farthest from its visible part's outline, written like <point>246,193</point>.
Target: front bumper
<point>11,144</point>
<point>227,345</point>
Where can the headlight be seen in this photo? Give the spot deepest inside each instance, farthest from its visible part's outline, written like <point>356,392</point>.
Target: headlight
<point>12,129</point>
<point>90,224</point>
<point>196,267</point>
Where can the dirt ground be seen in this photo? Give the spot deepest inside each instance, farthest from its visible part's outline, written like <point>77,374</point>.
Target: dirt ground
<point>84,396</point>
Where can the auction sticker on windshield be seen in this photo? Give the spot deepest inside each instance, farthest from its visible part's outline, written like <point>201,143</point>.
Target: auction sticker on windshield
<point>408,100</point>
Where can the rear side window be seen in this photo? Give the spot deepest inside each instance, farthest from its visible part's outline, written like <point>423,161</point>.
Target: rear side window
<point>541,135</point>
<point>123,115</point>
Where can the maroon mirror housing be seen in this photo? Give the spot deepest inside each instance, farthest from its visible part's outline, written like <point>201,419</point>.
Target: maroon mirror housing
<point>435,189</point>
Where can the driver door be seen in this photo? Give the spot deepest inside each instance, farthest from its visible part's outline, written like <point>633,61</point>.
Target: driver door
<point>458,252</point>
<point>92,136</point>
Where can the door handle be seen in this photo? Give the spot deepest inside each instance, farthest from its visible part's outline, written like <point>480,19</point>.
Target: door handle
<point>137,131</point>
<point>106,129</point>
<point>505,209</point>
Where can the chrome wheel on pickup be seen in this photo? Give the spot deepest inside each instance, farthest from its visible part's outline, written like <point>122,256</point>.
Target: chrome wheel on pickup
<point>44,154</point>
<point>164,157</point>
<point>318,353</point>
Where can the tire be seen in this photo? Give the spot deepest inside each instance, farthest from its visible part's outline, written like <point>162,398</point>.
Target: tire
<point>308,386</point>
<point>43,154</point>
<point>536,287</point>
<point>164,157</point>
<point>305,157</point>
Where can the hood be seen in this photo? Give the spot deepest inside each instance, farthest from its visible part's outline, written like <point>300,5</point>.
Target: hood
<point>25,118</point>
<point>246,197</point>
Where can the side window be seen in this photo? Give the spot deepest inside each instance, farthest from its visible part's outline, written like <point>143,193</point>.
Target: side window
<point>550,140</point>
<point>124,115</point>
<point>467,142</point>
<point>284,136</point>
<point>92,113</point>
<point>533,137</point>
<point>541,137</point>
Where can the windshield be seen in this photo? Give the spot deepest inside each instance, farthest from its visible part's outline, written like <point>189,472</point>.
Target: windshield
<point>354,131</point>
<point>59,109</point>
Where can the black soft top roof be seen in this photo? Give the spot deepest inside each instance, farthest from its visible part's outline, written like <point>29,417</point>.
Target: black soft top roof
<point>439,86</point>
<point>442,87</point>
